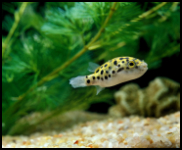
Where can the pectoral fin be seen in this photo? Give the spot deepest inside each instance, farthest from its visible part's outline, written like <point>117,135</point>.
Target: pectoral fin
<point>99,89</point>
<point>92,66</point>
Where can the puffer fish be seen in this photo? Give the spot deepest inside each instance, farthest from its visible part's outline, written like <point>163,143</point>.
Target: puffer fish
<point>113,72</point>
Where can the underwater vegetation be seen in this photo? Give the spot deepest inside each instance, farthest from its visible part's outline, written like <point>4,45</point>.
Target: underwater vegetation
<point>46,44</point>
<point>161,97</point>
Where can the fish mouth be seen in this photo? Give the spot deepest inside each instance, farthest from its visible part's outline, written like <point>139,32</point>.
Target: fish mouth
<point>144,65</point>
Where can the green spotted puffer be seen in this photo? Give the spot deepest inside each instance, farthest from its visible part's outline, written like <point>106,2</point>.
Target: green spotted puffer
<point>113,72</point>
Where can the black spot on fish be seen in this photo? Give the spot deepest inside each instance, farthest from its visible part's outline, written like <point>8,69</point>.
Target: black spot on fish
<point>121,58</point>
<point>110,67</point>
<point>107,72</point>
<point>102,79</point>
<point>109,75</point>
<point>93,78</point>
<point>115,62</point>
<point>118,65</point>
<point>97,71</point>
<point>88,81</point>
<point>106,77</point>
<point>120,69</point>
<point>122,61</point>
<point>101,72</point>
<point>98,77</point>
<point>127,68</point>
<point>113,71</point>
<point>105,65</point>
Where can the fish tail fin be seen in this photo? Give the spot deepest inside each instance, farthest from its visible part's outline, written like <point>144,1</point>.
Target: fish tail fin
<point>78,81</point>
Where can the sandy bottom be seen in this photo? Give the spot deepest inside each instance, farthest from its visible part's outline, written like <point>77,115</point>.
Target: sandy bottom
<point>83,129</point>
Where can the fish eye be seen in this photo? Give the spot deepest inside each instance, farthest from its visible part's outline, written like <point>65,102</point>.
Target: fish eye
<point>131,64</point>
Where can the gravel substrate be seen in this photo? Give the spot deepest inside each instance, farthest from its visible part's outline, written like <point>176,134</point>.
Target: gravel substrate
<point>105,131</point>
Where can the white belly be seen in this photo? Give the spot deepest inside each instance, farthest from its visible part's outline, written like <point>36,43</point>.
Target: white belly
<point>117,79</point>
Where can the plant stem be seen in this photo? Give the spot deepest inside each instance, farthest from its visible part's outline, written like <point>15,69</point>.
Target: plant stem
<point>174,5</point>
<point>14,26</point>
<point>145,14</point>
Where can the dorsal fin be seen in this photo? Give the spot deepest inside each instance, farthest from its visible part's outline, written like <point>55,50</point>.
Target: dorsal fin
<point>92,66</point>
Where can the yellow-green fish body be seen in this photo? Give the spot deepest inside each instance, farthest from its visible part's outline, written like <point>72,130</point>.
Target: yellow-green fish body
<point>113,72</point>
